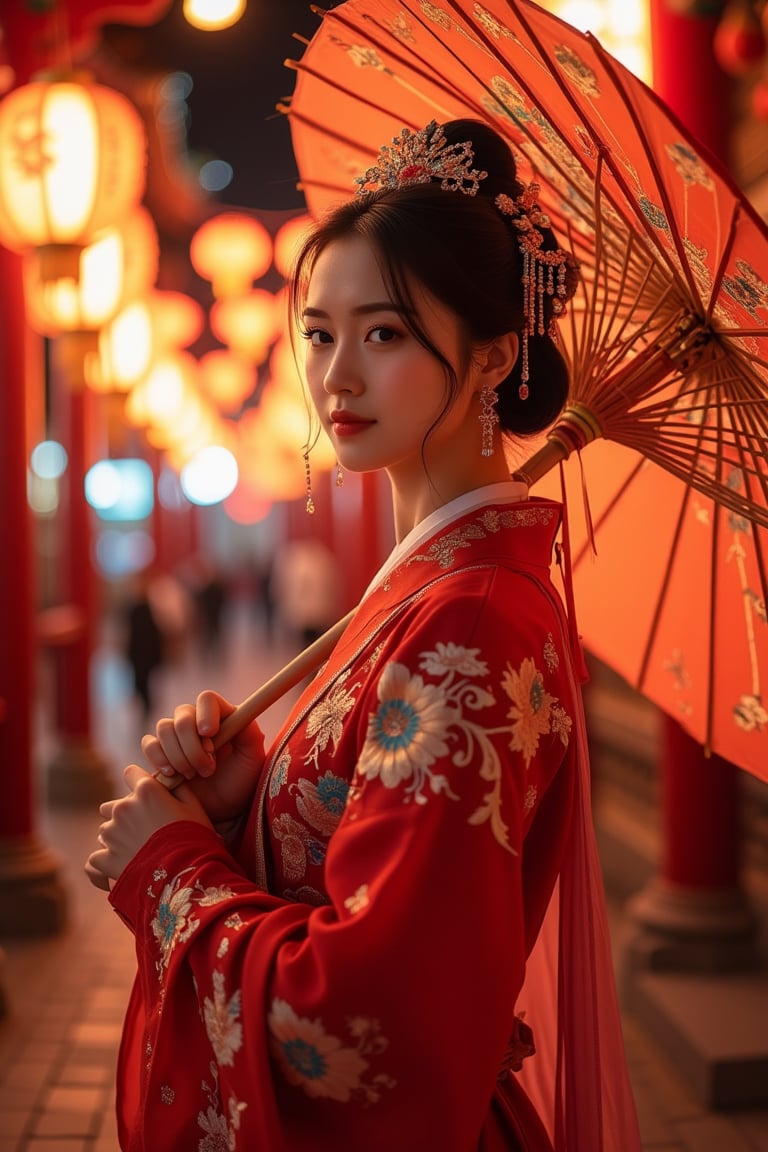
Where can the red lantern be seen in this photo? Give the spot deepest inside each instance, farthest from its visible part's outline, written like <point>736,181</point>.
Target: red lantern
<point>739,43</point>
<point>231,250</point>
<point>72,160</point>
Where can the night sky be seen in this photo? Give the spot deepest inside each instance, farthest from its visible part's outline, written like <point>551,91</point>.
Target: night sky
<point>238,77</point>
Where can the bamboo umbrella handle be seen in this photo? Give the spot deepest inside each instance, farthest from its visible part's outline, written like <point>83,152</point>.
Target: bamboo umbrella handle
<point>270,692</point>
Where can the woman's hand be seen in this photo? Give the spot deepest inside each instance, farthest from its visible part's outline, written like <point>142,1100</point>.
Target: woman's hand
<point>130,821</point>
<point>223,780</point>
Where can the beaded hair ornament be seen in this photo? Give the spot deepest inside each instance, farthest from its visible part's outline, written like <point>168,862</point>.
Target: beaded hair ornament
<point>423,156</point>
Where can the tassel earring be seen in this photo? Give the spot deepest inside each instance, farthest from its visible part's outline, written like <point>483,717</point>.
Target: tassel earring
<point>310,505</point>
<point>489,418</point>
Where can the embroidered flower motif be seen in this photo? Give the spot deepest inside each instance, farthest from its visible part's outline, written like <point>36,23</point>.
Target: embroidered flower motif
<point>322,804</point>
<point>531,707</point>
<point>172,924</point>
<point>358,901</point>
<point>407,732</point>
<point>212,896</point>
<point>530,798</point>
<point>306,895</point>
<point>221,1021</point>
<point>326,720</point>
<point>551,658</point>
<point>167,1095</point>
<point>443,550</point>
<point>292,837</point>
<point>279,774</point>
<point>452,658</point>
<point>217,1137</point>
<point>561,724</point>
<point>312,1059</point>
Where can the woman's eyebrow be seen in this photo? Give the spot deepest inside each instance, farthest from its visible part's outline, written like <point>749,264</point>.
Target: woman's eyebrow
<point>363,309</point>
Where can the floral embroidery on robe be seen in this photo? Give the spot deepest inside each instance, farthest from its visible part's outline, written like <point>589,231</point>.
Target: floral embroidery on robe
<point>312,988</point>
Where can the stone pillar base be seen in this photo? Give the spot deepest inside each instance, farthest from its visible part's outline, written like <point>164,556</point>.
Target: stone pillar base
<point>685,929</point>
<point>78,775</point>
<point>33,901</point>
<point>692,975</point>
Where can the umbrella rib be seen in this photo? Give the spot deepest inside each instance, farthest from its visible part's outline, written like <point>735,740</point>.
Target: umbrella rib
<point>608,64</point>
<point>602,147</point>
<point>749,413</point>
<point>723,262</point>
<point>712,642</point>
<point>353,94</point>
<point>664,590</point>
<point>586,548</point>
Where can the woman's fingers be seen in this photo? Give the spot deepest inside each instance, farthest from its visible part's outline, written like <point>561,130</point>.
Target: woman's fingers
<point>179,746</point>
<point>97,878</point>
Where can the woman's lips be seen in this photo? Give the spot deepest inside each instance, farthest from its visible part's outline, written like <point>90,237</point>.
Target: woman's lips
<point>347,424</point>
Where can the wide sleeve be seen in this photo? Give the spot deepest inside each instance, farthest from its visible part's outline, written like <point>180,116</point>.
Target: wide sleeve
<point>382,1019</point>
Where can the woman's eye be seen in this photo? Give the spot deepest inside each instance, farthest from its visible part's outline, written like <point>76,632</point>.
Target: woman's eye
<point>317,336</point>
<point>382,335</point>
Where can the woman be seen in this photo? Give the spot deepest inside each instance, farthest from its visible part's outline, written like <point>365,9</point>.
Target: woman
<point>359,940</point>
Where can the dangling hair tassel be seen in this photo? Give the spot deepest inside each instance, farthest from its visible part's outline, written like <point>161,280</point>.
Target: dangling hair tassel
<point>528,220</point>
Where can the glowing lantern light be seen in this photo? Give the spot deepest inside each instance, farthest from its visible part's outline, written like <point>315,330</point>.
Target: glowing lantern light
<point>283,367</point>
<point>119,265</point>
<point>187,429</point>
<point>231,250</point>
<point>125,350</point>
<point>177,319</point>
<point>144,331</point>
<point>227,378</point>
<point>248,324</point>
<point>211,15</point>
<point>287,421</point>
<point>288,241</point>
<point>72,162</point>
<point>265,463</point>
<point>161,397</point>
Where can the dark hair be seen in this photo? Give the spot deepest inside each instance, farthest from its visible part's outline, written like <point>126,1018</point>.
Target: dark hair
<point>464,252</point>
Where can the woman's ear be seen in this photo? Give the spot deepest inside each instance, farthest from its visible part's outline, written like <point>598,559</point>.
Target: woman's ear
<point>496,359</point>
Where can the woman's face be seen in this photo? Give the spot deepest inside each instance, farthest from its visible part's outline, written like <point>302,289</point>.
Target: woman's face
<point>377,390</point>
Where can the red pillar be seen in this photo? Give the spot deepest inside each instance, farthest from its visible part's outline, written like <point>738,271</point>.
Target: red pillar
<point>31,898</point>
<point>696,903</point>
<point>700,817</point>
<point>77,773</point>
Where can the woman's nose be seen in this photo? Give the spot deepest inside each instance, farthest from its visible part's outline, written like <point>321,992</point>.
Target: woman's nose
<point>343,371</point>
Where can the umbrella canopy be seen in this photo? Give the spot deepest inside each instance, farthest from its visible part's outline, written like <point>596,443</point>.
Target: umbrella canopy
<point>667,337</point>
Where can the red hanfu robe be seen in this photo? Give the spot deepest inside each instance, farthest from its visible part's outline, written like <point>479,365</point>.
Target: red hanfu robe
<point>351,979</point>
